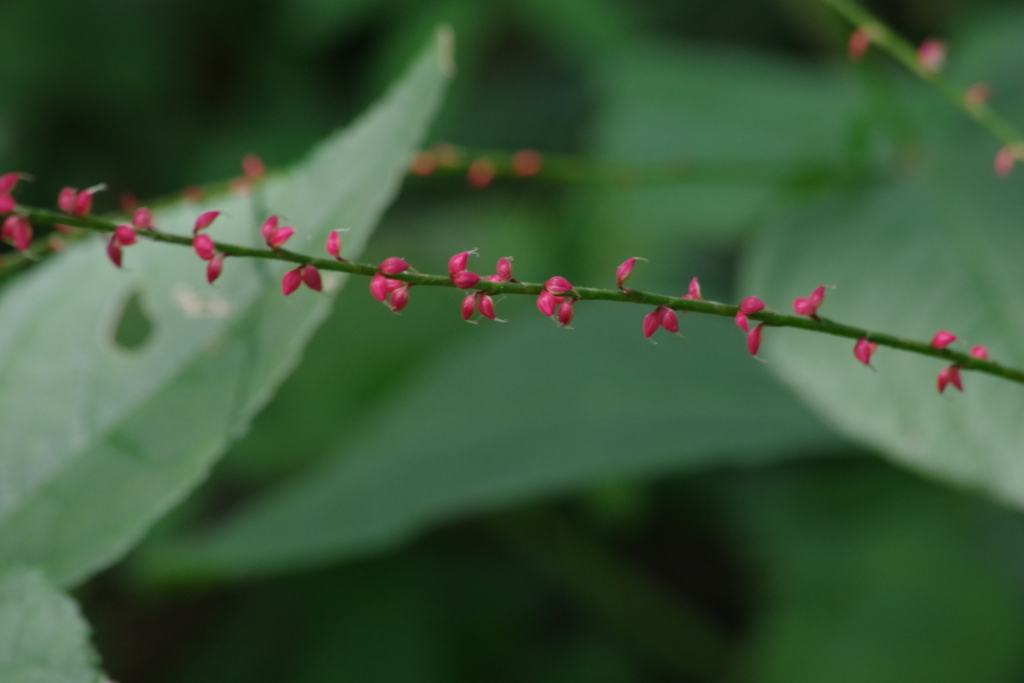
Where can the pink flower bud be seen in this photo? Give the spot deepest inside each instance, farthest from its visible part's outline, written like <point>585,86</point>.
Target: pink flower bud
<point>291,281</point>
<point>125,235</point>
<point>469,305</point>
<point>741,321</point>
<point>457,263</point>
<point>694,292</point>
<point>203,246</point>
<point>465,279</point>
<point>565,312</point>
<point>546,303</point>
<point>83,203</point>
<point>754,339</point>
<point>334,244</point>
<point>66,199</point>
<point>480,173</point>
<point>652,321</point>
<point>504,268</point>
<point>252,167</point>
<point>979,352</point>
<point>943,339</point>
<point>7,203</point>
<point>400,298</point>
<point>526,163</point>
<point>1005,159</point>
<point>269,228</point>
<point>668,319</point>
<point>311,276</point>
<point>214,268</point>
<point>931,55</point>
<point>558,285</point>
<point>18,231</point>
<point>950,375</point>
<point>860,41</point>
<point>485,305</point>
<point>863,350</point>
<point>379,287</point>
<point>751,305</point>
<point>8,181</point>
<point>114,251</point>
<point>143,218</point>
<point>623,272</point>
<point>393,266</point>
<point>205,220</point>
<point>280,236</point>
<point>809,306</point>
<point>494,278</point>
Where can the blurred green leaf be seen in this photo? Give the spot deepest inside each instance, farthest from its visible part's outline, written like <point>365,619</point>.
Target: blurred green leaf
<point>875,576</point>
<point>529,411</point>
<point>43,638</point>
<point>97,441</point>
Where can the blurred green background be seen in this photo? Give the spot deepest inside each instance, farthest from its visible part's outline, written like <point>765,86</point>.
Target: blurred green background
<point>429,501</point>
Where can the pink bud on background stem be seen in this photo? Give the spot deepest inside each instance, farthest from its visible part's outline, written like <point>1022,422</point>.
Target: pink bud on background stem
<point>546,303</point>
<point>83,202</point>
<point>809,306</point>
<point>291,281</point>
<point>979,352</point>
<point>480,173</point>
<point>203,246</point>
<point>931,55</point>
<point>943,339</point>
<point>457,263</point>
<point>465,279</point>
<point>485,305</point>
<point>860,41</point>
<point>469,305</point>
<point>379,287</point>
<point>205,220</point>
<point>334,244</point>
<point>143,218</point>
<point>754,339</point>
<point>214,268</point>
<point>1006,157</point>
<point>565,312</point>
<point>280,236</point>
<point>863,350</point>
<point>18,231</point>
<point>269,228</point>
<point>751,305</point>
<point>741,321</point>
<point>125,235</point>
<point>949,375</point>
<point>504,268</point>
<point>558,285</point>
<point>393,266</point>
<point>694,291</point>
<point>8,181</point>
<point>526,163</point>
<point>7,203</point>
<point>66,199</point>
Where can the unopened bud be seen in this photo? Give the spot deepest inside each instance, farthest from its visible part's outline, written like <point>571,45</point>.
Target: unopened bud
<point>1006,157</point>
<point>379,287</point>
<point>66,199</point>
<point>143,218</point>
<point>863,350</point>
<point>465,279</point>
<point>400,298</point>
<point>668,319</point>
<point>214,268</point>
<point>269,228</point>
<point>754,339</point>
<point>751,305</point>
<point>125,235</point>
<point>280,236</point>
<point>931,55</point>
<point>469,305</point>
<point>979,352</point>
<point>485,305</point>
<point>949,375</point>
<point>741,321</point>
<point>809,306</point>
<point>565,312</point>
<point>546,303</point>
<point>943,339</point>
<point>558,285</point>
<point>114,251</point>
<point>652,321</point>
<point>458,262</point>
<point>624,270</point>
<point>334,244</point>
<point>203,246</point>
<point>504,268</point>
<point>393,266</point>
<point>7,203</point>
<point>291,281</point>
<point>311,276</point>
<point>204,220</point>
<point>8,181</point>
<point>694,290</point>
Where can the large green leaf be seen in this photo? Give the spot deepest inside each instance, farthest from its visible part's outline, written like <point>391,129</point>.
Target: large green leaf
<point>43,638</point>
<point>938,248</point>
<point>97,441</point>
<point>530,410</point>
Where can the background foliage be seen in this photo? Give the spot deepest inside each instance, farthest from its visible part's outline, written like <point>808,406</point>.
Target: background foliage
<point>425,500</point>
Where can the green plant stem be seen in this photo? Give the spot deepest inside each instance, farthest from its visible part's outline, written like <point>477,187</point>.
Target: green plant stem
<point>904,52</point>
<point>658,623</point>
<point>766,316</point>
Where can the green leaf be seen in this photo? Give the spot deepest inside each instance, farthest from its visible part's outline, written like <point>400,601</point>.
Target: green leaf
<point>98,441</point>
<point>937,249</point>
<point>43,638</point>
<point>875,576</point>
<point>529,411</point>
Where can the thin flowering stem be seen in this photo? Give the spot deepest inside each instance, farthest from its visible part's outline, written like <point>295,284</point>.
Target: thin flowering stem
<point>770,318</point>
<point>907,54</point>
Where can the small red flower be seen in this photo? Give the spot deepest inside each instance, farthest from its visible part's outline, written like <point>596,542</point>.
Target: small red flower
<point>18,231</point>
<point>7,203</point>
<point>485,305</point>
<point>809,306</point>
<point>204,220</point>
<point>291,281</point>
<point>214,268</point>
<point>943,339</point>
<point>949,375</point>
<point>457,263</point>
<point>114,251</point>
<point>143,219</point>
<point>393,266</point>
<point>280,236</point>
<point>469,305</point>
<point>754,339</point>
<point>979,352</point>
<point>125,235</point>
<point>465,279</point>
<point>504,269</point>
<point>652,321</point>
<point>558,285</point>
<point>203,246</point>
<point>334,245</point>
<point>547,301</point>
<point>565,312</point>
<point>624,270</point>
<point>311,276</point>
<point>863,350</point>
<point>400,298</point>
